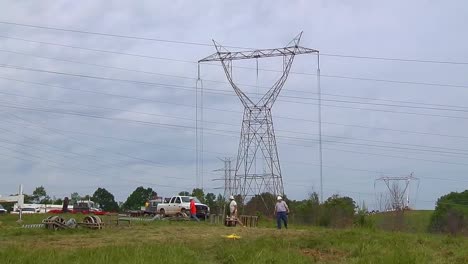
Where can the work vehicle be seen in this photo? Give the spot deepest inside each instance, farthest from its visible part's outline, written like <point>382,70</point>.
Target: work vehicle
<point>2,210</point>
<point>26,210</point>
<point>181,205</point>
<point>85,207</point>
<point>150,208</point>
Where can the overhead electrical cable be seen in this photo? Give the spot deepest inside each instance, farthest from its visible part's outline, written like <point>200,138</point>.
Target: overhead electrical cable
<point>215,81</point>
<point>242,67</point>
<point>211,45</point>
<point>230,93</point>
<point>185,126</point>
<point>221,123</point>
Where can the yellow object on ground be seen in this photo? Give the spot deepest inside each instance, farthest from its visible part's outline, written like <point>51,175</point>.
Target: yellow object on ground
<point>233,236</point>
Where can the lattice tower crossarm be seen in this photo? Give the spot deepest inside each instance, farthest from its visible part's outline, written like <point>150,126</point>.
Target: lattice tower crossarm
<point>257,133</point>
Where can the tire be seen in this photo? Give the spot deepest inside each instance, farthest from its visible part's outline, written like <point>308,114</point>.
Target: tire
<point>162,213</point>
<point>183,211</point>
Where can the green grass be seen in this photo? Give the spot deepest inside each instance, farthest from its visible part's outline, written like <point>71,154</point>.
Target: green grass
<point>190,242</point>
<point>415,221</point>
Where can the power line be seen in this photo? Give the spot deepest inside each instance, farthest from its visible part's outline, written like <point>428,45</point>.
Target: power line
<point>207,80</point>
<point>397,130</point>
<point>230,94</point>
<point>393,101</point>
<point>397,143</point>
<point>101,65</point>
<point>185,118</point>
<point>96,148</point>
<point>394,112</point>
<point>232,111</point>
<point>222,153</point>
<point>191,88</point>
<point>368,153</point>
<point>412,113</point>
<point>211,45</point>
<point>217,130</point>
<point>98,50</point>
<point>394,59</point>
<point>94,157</point>
<point>151,143</point>
<point>400,157</point>
<point>114,35</point>
<point>240,67</point>
<point>57,165</point>
<point>371,171</point>
<point>93,147</point>
<point>291,90</point>
<point>219,123</point>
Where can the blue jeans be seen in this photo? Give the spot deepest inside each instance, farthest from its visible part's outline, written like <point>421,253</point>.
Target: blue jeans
<point>282,216</point>
<point>194,217</point>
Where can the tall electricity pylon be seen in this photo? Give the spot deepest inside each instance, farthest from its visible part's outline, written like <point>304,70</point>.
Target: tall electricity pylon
<point>397,194</point>
<point>257,133</point>
<point>230,185</point>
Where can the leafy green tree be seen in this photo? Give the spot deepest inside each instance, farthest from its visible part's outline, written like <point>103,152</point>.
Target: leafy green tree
<point>74,197</point>
<point>57,201</point>
<point>263,204</point>
<point>307,211</point>
<point>184,193</point>
<point>451,213</point>
<point>210,199</point>
<point>28,199</point>
<point>138,198</point>
<point>39,195</point>
<point>197,192</point>
<point>338,211</point>
<point>7,206</point>
<point>219,205</point>
<point>105,199</point>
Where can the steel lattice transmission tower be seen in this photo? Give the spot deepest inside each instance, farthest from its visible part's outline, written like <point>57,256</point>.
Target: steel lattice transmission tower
<point>229,182</point>
<point>397,194</point>
<point>257,134</point>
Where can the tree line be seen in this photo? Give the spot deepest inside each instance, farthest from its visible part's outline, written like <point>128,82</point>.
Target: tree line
<point>450,214</point>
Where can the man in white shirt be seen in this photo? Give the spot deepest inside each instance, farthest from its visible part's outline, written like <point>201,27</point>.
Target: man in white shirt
<point>232,208</point>
<point>281,212</point>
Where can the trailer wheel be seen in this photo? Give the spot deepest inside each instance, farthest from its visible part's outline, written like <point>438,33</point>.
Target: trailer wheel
<point>162,213</point>
<point>88,220</point>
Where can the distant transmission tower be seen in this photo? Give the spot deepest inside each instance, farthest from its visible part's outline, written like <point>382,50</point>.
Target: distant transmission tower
<point>257,133</point>
<point>397,192</point>
<point>230,185</point>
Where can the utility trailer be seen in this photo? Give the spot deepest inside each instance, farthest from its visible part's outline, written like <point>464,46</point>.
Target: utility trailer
<point>150,208</point>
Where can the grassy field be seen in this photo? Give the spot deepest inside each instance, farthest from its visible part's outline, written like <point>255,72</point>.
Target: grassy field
<point>416,221</point>
<point>190,242</point>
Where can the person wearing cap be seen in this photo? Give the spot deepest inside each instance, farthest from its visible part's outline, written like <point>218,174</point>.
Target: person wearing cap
<point>281,212</point>
<point>232,208</point>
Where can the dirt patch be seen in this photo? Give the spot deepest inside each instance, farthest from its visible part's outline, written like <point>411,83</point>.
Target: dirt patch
<point>325,255</point>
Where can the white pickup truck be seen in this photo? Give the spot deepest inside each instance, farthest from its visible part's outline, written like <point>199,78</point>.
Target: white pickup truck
<point>181,204</point>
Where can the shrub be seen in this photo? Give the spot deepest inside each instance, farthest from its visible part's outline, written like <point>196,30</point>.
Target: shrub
<point>451,214</point>
<point>338,211</point>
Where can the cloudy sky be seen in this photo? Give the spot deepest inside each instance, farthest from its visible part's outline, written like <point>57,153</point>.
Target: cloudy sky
<point>70,123</point>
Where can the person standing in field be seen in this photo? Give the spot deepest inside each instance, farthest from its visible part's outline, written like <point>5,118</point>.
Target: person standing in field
<point>232,208</point>
<point>281,212</point>
<point>193,210</point>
